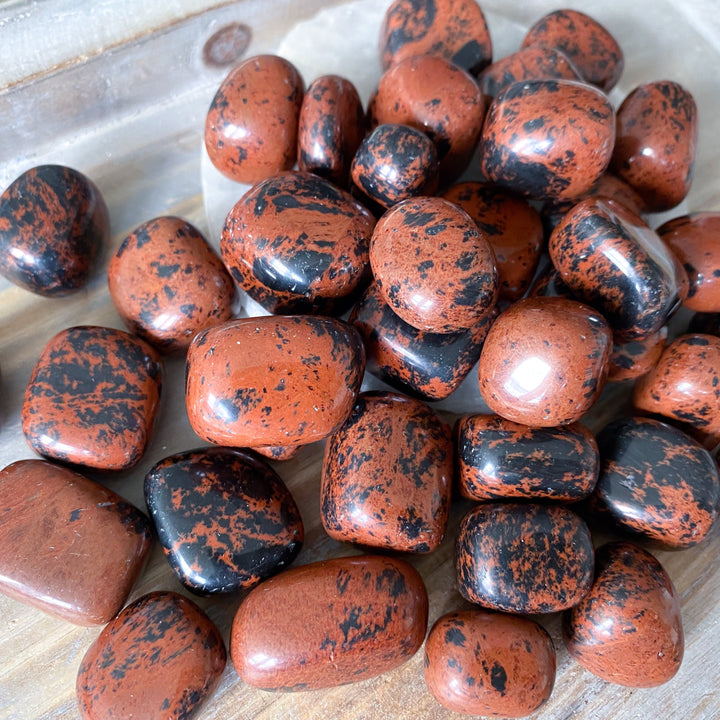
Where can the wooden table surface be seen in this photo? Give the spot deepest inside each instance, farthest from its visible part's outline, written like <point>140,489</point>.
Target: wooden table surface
<point>145,170</point>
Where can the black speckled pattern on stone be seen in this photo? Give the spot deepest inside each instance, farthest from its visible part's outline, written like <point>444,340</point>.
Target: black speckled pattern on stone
<point>53,223</point>
<point>656,482</point>
<point>523,558</point>
<point>225,519</point>
<point>159,659</point>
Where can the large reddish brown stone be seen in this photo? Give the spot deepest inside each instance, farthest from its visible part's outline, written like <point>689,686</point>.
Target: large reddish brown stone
<point>68,545</point>
<point>161,658</point>
<point>329,623</point>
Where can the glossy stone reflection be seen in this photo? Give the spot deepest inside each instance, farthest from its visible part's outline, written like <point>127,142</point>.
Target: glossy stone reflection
<point>273,380</point>
<point>549,139</point>
<point>296,243</point>
<point>453,29</point>
<point>160,658</point>
<point>656,482</point>
<point>588,45</point>
<point>612,260</point>
<point>544,361</point>
<point>513,228</point>
<point>331,125</point>
<point>489,664</point>
<point>252,124</point>
<point>694,240</point>
<point>53,224</point>
<point>433,265</point>
<point>167,283</point>
<point>523,558</point>
<point>501,459</point>
<point>394,163</point>
<point>225,519</point>
<point>657,130</point>
<point>387,475</point>
<point>427,365</point>
<point>70,546</point>
<point>628,628</point>
<point>329,623</point>
<point>92,398</point>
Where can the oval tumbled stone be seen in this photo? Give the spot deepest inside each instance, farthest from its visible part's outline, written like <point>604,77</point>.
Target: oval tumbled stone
<point>484,663</point>
<point>628,628</point>
<point>71,547</point>
<point>224,518</point>
<point>53,223</point>
<point>656,482</point>
<point>329,623</point>
<point>273,380</point>
<point>498,458</point>
<point>160,658</point>
<point>387,474</point>
<point>523,558</point>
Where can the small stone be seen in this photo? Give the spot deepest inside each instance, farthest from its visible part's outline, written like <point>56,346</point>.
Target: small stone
<point>53,224</point>
<point>499,459</point>
<point>273,380</point>
<point>387,475</point>
<point>92,398</point>
<point>329,623</point>
<point>483,663</point>
<point>524,558</point>
<point>225,519</point>
<point>656,482</point>
<point>160,658</point>
<point>71,547</point>
<point>628,628</point>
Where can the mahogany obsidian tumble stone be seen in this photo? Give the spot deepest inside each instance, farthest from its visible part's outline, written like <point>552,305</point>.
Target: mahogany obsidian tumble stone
<point>297,243</point>
<point>513,228</point>
<point>225,519</point>
<point>628,628</point>
<point>433,265</point>
<point>160,658</point>
<point>656,482</point>
<point>437,97</point>
<point>612,260</point>
<point>70,546</point>
<point>537,62</point>
<point>167,283</point>
<point>501,459</point>
<point>273,380</point>
<point>92,398</point>
<point>587,44</point>
<point>394,163</point>
<point>548,139</point>
<point>53,224</point>
<point>483,663</point>
<point>453,29</point>
<point>685,385</point>
<point>331,126</point>
<point>252,124</point>
<point>523,558</point>
<point>657,130</point>
<point>427,365</point>
<point>329,623</point>
<point>544,361</point>
<point>694,240</point>
<point>632,359</point>
<point>387,475</point>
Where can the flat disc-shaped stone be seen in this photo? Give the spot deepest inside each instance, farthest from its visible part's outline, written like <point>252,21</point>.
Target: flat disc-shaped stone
<point>224,518</point>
